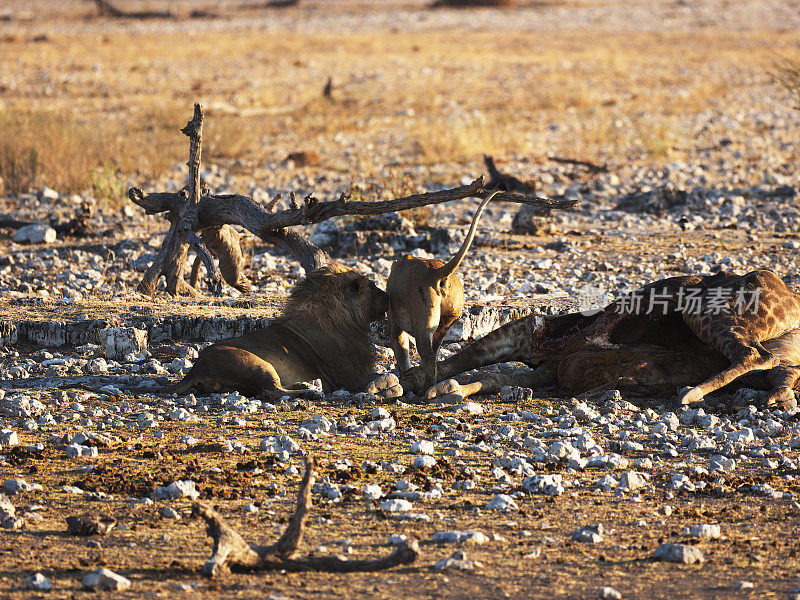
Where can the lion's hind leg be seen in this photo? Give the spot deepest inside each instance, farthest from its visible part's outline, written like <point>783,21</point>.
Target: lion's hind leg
<point>223,368</point>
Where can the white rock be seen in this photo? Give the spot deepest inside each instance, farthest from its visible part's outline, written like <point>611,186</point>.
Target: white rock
<point>589,534</point>
<point>459,537</point>
<point>502,502</point>
<point>379,413</point>
<point>607,461</point>
<point>8,438</point>
<point>16,486</point>
<point>103,579</point>
<point>123,343</point>
<point>422,447</point>
<point>631,481</point>
<point>38,582</point>
<point>705,531</point>
<point>424,462</point>
<point>682,483</point>
<point>458,561</point>
<point>36,233</point>
<point>184,488</point>
<point>372,492</point>
<point>609,593</point>
<point>471,408</point>
<point>170,513</point>
<point>544,483</point>
<point>678,553</point>
<point>396,505</point>
<point>607,482</point>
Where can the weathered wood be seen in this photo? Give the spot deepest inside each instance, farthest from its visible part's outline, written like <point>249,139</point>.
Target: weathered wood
<point>593,168</point>
<point>231,551</point>
<point>189,210</point>
<point>183,217</point>
<point>106,9</point>
<point>235,209</point>
<point>212,271</point>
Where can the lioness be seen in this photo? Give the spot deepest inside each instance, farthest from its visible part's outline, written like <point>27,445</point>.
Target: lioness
<point>425,299</point>
<point>322,334</point>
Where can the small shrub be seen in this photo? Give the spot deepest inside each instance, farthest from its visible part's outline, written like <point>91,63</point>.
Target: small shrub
<point>108,185</point>
<point>787,75</point>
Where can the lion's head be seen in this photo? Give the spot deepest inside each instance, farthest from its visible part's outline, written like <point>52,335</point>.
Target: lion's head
<point>339,297</point>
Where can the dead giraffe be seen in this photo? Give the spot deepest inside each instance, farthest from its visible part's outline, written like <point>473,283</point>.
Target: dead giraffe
<point>762,339</point>
<point>761,342</point>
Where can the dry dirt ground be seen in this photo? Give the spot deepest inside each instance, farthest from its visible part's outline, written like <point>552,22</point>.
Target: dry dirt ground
<point>418,96</point>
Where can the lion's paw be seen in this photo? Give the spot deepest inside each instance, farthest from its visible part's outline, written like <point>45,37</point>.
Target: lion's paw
<point>386,386</point>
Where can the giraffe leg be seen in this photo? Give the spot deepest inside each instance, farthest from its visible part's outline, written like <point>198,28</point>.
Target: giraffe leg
<point>746,359</point>
<point>783,378</point>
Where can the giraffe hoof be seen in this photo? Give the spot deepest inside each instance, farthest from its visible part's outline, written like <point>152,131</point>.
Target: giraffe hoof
<point>695,394</point>
<point>450,386</point>
<point>783,399</point>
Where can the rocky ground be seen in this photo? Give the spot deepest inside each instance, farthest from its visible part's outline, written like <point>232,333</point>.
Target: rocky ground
<point>527,494</point>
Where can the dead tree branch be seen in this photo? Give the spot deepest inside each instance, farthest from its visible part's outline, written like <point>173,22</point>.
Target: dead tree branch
<point>232,552</point>
<point>107,9</point>
<point>189,210</point>
<point>212,271</point>
<point>234,209</point>
<point>504,180</point>
<point>593,168</point>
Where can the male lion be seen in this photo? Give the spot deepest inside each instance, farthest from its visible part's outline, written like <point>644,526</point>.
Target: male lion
<point>322,334</point>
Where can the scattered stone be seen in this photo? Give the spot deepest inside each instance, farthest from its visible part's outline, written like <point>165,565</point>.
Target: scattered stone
<point>17,486</point>
<point>177,489</point>
<point>502,502</point>
<point>8,438</point>
<point>588,534</point>
<point>705,531</point>
<point>457,561</point>
<point>547,483</point>
<point>373,492</point>
<point>678,553</point>
<point>422,447</point>
<point>423,462</point>
<point>124,344</point>
<point>609,593</point>
<point>103,579</point>
<point>459,537</point>
<point>396,505</point>
<point>38,582</point>
<point>36,233</point>
<point>168,512</point>
<point>630,481</point>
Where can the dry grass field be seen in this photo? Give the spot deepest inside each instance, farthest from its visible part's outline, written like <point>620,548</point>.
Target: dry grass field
<point>96,99</point>
<point>90,105</point>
